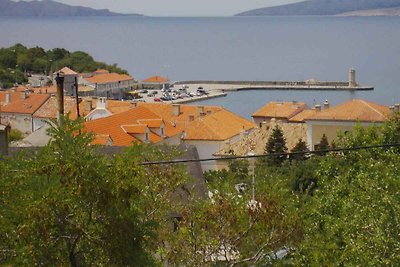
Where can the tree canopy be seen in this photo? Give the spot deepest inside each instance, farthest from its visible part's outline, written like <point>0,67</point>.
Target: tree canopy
<point>18,61</point>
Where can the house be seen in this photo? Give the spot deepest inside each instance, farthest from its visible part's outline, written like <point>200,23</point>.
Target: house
<point>343,118</point>
<point>278,110</point>
<point>17,109</point>
<point>208,128</point>
<point>135,125</point>
<point>108,84</point>
<point>70,79</point>
<point>105,108</point>
<point>155,82</point>
<point>48,111</point>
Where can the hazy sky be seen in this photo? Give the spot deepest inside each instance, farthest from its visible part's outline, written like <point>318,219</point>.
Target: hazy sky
<point>179,7</point>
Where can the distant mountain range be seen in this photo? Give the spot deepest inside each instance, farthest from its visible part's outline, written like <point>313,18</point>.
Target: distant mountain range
<point>49,8</point>
<point>325,7</point>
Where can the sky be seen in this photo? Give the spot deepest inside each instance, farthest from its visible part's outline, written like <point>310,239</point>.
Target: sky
<point>178,7</point>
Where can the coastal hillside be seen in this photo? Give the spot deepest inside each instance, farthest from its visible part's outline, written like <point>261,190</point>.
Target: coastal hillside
<point>374,12</point>
<point>49,8</point>
<point>322,7</point>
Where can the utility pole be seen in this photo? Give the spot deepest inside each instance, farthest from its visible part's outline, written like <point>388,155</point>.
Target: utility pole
<point>60,96</point>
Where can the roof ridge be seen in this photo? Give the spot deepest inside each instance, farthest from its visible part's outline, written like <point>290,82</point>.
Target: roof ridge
<point>371,107</point>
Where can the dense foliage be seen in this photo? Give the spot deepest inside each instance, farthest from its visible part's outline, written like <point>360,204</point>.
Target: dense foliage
<point>68,204</point>
<point>18,61</point>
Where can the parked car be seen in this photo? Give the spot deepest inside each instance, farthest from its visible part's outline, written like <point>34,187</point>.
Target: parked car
<point>156,99</point>
<point>144,91</point>
<point>155,92</point>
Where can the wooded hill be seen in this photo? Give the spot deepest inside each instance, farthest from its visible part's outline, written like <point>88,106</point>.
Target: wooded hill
<point>321,7</point>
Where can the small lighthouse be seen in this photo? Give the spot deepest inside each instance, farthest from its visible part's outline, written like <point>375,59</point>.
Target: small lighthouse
<point>352,78</point>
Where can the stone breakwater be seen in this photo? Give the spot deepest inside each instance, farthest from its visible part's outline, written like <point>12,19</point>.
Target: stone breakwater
<point>274,85</point>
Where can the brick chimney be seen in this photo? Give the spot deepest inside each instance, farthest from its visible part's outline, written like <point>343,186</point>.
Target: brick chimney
<point>24,95</point>
<point>318,107</point>
<point>8,97</point>
<point>101,103</point>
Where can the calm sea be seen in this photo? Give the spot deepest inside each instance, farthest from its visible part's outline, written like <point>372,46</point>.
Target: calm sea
<point>233,48</point>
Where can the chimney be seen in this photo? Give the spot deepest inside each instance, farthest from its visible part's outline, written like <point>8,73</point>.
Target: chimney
<point>396,107</point>
<point>60,96</point>
<point>101,103</point>
<point>318,107</point>
<point>88,106</point>
<point>391,108</point>
<point>24,95</point>
<point>201,110</point>
<point>191,117</point>
<point>8,97</point>
<point>176,109</point>
<point>326,104</point>
<point>133,104</point>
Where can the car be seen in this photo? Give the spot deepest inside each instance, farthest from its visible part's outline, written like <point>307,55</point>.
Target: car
<point>156,99</point>
<point>155,92</point>
<point>200,88</point>
<point>144,91</point>
<point>150,94</point>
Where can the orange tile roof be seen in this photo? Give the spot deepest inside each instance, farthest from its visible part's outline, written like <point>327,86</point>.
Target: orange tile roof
<point>49,109</point>
<point>101,71</point>
<point>284,110</point>
<point>218,126</point>
<point>156,79</point>
<point>14,96</point>
<point>115,106</point>
<point>165,111</point>
<point>29,105</point>
<point>45,90</point>
<point>354,110</point>
<point>101,139</point>
<point>112,126</point>
<point>154,123</point>
<point>303,115</point>
<point>135,128</point>
<point>108,78</point>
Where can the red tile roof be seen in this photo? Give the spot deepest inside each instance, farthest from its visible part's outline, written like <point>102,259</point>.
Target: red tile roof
<point>23,105</point>
<point>156,79</point>
<point>108,78</point>
<point>116,126</point>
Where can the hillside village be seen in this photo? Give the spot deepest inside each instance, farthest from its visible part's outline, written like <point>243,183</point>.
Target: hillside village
<point>213,130</point>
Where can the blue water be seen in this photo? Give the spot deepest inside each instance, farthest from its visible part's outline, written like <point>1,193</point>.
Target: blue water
<point>233,48</point>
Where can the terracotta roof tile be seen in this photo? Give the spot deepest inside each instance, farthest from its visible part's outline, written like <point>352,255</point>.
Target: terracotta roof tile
<point>354,110</point>
<point>67,71</point>
<point>218,126</point>
<point>18,104</point>
<point>49,109</point>
<point>112,125</point>
<point>303,115</point>
<point>283,110</point>
<point>108,78</point>
<point>101,139</point>
<point>135,128</point>
<point>156,79</point>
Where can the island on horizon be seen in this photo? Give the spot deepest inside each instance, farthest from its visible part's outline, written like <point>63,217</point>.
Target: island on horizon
<point>330,8</point>
<point>51,8</point>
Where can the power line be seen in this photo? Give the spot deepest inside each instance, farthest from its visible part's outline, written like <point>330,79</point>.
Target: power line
<point>271,155</point>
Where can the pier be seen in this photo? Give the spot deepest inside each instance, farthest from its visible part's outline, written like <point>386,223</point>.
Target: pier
<point>276,85</point>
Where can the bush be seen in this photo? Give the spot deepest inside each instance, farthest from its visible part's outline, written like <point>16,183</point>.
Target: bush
<point>15,135</point>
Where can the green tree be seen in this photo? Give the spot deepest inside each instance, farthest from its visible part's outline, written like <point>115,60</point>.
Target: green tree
<point>301,146</point>
<point>69,205</point>
<point>353,217</point>
<point>276,144</point>
<point>323,145</point>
